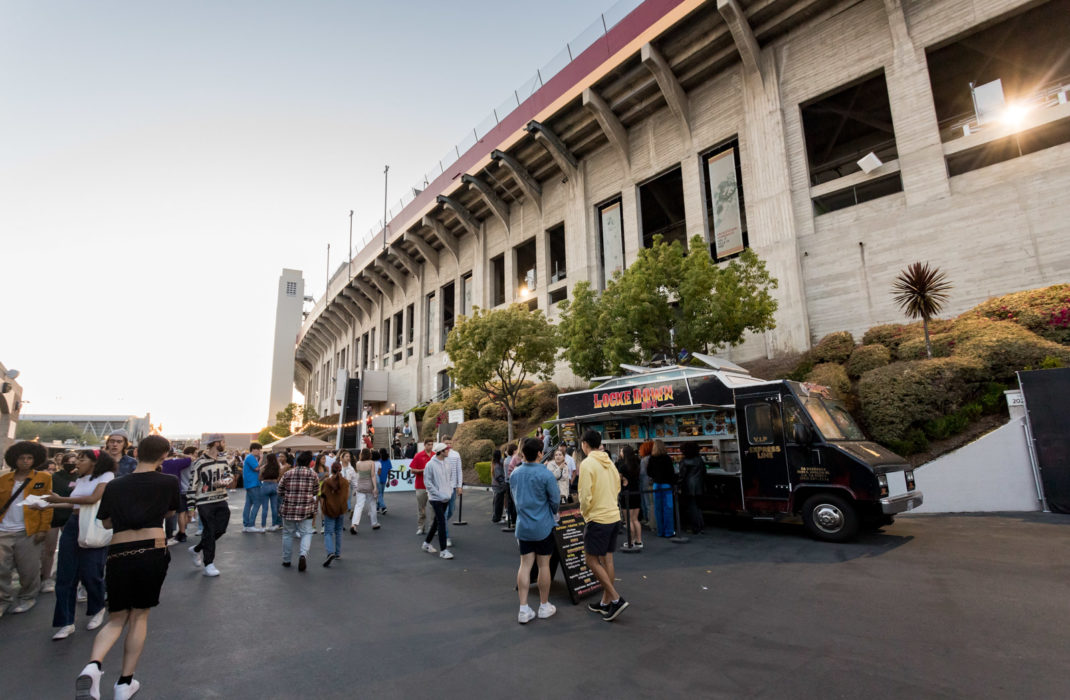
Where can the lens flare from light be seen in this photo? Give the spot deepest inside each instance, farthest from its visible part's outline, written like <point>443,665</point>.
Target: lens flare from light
<point>1014,115</point>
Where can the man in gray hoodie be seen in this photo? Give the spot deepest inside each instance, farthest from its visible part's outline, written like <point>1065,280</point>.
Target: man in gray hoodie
<point>439,484</point>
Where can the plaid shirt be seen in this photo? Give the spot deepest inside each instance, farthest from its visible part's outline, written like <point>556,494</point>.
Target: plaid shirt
<point>297,494</point>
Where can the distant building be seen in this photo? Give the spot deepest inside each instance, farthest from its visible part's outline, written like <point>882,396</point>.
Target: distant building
<point>98,426</point>
<point>235,442</point>
<point>10,405</point>
<point>288,320</point>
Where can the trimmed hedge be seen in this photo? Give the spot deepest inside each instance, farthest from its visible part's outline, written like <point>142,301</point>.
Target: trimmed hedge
<point>867,357</point>
<point>481,429</point>
<point>492,410</point>
<point>834,347</point>
<point>467,398</point>
<point>901,396</point>
<point>483,470</point>
<point>833,376</point>
<point>1045,312</point>
<point>430,420</point>
<point>473,451</point>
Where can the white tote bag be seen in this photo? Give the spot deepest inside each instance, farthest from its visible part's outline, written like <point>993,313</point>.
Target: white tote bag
<point>91,532</point>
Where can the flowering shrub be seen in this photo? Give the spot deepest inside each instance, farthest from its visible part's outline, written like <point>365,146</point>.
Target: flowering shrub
<point>834,347</point>
<point>1044,311</point>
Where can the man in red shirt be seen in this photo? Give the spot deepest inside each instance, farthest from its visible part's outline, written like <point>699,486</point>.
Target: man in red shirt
<point>419,462</point>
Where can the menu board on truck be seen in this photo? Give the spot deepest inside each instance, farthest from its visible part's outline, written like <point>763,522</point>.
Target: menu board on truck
<point>568,538</point>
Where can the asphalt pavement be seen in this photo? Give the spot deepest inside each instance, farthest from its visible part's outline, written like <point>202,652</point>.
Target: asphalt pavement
<point>933,606</point>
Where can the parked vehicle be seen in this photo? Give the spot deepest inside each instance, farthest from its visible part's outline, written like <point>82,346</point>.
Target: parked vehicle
<point>773,449</point>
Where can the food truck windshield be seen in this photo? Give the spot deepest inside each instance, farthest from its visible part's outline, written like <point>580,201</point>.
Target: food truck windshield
<point>831,418</point>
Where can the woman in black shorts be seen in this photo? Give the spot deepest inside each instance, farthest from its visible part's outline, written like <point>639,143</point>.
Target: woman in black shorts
<point>134,506</point>
<point>628,466</point>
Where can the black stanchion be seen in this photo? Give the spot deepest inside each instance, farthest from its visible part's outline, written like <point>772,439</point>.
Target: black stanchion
<point>460,509</point>
<point>677,538</point>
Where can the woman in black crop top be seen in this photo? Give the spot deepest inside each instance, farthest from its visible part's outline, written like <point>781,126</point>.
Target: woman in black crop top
<point>134,506</point>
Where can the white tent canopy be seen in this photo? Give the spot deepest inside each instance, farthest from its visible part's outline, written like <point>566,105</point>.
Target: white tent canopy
<point>298,442</point>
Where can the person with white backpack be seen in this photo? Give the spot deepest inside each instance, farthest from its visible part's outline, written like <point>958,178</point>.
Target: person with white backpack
<point>79,563</point>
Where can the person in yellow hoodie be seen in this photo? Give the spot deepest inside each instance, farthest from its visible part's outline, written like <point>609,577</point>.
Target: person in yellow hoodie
<point>599,488</point>
<point>22,528</point>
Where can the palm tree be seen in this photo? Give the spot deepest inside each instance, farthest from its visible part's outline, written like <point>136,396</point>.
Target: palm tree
<point>921,291</point>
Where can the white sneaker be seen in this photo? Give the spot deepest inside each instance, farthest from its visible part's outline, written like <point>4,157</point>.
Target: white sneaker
<point>48,585</point>
<point>82,595</point>
<point>426,546</point>
<point>97,620</point>
<point>87,686</point>
<point>126,690</point>
<point>248,529</point>
<point>273,528</point>
<point>210,570</point>
<point>525,615</point>
<point>446,554</point>
<point>24,606</point>
<point>197,560</point>
<point>419,531</point>
<point>63,633</point>
<point>546,610</point>
<point>449,542</point>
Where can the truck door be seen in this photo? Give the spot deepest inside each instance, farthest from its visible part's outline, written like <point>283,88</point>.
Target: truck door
<point>766,482</point>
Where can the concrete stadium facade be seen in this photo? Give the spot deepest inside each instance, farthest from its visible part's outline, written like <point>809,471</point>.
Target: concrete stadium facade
<point>623,141</point>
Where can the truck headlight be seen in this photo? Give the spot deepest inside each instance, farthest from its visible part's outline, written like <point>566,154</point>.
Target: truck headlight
<point>910,480</point>
<point>882,480</point>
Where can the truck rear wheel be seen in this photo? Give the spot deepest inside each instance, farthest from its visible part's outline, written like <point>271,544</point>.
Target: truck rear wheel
<point>830,518</point>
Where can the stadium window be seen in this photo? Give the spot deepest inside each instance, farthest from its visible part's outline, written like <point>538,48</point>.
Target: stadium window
<point>430,312</point>
<point>1004,77</point>
<point>558,256</point>
<point>661,208</point>
<point>725,211</point>
<point>497,280</point>
<point>449,313</point>
<point>291,289</point>
<point>466,294</point>
<point>526,281</point>
<point>399,329</point>
<point>410,316</point>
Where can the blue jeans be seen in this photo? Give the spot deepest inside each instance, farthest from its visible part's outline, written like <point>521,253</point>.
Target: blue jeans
<point>269,496</point>
<point>644,485</point>
<point>382,495</point>
<point>332,534</point>
<point>252,506</point>
<point>77,564</point>
<point>663,510</point>
<point>292,529</point>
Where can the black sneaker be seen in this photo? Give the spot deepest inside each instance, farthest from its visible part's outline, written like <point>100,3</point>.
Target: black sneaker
<point>330,558</point>
<point>302,563</point>
<point>614,609</point>
<point>598,607</point>
<point>180,537</point>
<point>286,564</point>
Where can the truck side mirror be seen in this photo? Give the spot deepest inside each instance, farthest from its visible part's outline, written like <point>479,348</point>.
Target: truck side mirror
<point>801,434</point>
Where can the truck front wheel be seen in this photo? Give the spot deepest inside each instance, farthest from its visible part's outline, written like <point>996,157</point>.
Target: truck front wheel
<point>830,518</point>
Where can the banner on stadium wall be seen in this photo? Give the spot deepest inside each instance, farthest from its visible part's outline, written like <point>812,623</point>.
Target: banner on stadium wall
<point>724,189</point>
<point>401,478</point>
<point>612,239</point>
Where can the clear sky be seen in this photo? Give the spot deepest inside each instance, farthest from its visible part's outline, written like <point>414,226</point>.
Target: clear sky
<point>161,162</point>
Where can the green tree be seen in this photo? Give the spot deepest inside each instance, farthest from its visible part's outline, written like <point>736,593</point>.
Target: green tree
<point>921,292</point>
<point>30,430</point>
<point>293,413</point>
<point>496,351</point>
<point>665,302</point>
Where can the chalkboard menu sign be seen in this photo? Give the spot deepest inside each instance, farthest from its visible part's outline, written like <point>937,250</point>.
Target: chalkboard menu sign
<point>568,536</point>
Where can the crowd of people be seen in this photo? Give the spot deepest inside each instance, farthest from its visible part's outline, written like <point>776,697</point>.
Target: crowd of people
<point>95,525</point>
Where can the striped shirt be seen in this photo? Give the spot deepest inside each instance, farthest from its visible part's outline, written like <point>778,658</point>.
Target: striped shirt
<point>206,477</point>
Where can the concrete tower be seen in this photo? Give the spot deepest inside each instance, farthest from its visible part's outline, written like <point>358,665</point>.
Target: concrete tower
<point>287,324</point>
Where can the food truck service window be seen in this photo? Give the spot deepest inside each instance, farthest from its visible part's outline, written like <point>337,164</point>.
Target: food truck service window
<point>760,424</point>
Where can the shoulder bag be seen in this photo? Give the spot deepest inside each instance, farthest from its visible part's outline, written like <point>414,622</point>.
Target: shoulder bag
<point>91,532</point>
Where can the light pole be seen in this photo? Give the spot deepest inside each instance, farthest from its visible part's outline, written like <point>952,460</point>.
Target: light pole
<point>394,420</point>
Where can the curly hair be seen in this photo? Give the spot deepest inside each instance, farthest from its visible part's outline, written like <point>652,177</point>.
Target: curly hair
<point>26,447</point>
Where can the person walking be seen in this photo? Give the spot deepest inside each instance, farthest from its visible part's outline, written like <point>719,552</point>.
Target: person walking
<point>598,490</point>
<point>628,466</point>
<point>646,494</point>
<point>134,507</point>
<point>62,484</point>
<point>537,497</point>
<point>117,445</point>
<point>439,489</point>
<point>692,486</point>
<point>334,500</point>
<point>22,529</point>
<point>211,477</point>
<point>251,482</point>
<point>322,471</point>
<point>367,490</point>
<point>176,466</point>
<point>498,485</point>
<point>559,468</point>
<point>417,466</point>
<point>385,467</point>
<point>297,504</point>
<point>78,564</point>
<point>661,472</point>
<point>269,493</point>
<point>456,469</point>
<point>510,463</point>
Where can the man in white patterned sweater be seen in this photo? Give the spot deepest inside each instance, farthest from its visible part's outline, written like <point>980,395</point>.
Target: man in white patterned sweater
<point>210,477</point>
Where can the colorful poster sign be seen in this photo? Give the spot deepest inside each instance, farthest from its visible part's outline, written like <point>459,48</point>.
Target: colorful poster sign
<point>401,477</point>
<point>568,541</point>
<point>724,189</point>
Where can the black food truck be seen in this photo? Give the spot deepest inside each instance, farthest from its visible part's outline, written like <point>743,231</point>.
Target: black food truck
<point>773,449</point>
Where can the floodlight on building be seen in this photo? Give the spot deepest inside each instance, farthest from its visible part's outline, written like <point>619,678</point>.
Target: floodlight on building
<point>524,291</point>
<point>870,162</point>
<point>1014,115</point>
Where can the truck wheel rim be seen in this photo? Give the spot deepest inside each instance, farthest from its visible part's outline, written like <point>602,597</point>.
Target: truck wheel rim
<point>828,518</point>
